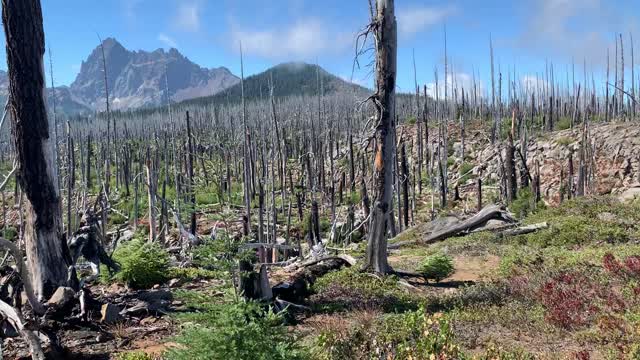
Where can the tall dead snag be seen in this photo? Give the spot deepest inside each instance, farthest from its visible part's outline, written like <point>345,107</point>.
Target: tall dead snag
<point>385,33</point>
<point>247,176</point>
<point>510,165</point>
<point>37,175</point>
<point>192,193</point>
<point>405,185</point>
<point>151,186</point>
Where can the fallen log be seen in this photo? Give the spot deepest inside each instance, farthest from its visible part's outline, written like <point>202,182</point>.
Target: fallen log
<point>527,229</point>
<point>489,212</point>
<point>346,258</point>
<point>14,317</point>
<point>298,287</point>
<point>268,246</point>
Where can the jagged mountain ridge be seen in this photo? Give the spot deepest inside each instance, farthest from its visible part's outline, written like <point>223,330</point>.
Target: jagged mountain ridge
<point>141,79</point>
<point>136,79</point>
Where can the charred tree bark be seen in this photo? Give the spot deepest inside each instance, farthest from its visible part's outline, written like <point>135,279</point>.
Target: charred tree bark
<point>46,250</point>
<point>479,207</point>
<point>405,186</point>
<point>510,171</point>
<point>151,186</point>
<point>192,192</point>
<point>386,56</point>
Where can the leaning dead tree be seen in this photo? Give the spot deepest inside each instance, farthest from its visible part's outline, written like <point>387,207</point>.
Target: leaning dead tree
<point>45,249</point>
<point>384,30</point>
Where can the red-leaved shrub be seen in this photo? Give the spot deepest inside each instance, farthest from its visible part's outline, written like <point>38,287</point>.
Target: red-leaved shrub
<point>611,264</point>
<point>569,300</point>
<point>629,269</point>
<point>632,263</point>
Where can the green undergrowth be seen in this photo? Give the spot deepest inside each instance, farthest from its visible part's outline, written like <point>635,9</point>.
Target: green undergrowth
<point>134,355</point>
<point>411,335</point>
<point>142,264</point>
<point>436,267</point>
<point>352,289</point>
<point>233,329</point>
<point>584,221</point>
<point>193,274</point>
<point>521,258</point>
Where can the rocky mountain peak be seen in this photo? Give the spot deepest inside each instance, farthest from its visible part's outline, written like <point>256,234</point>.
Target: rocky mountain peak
<point>140,78</point>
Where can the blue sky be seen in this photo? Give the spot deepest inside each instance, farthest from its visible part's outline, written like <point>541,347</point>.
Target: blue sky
<point>524,33</point>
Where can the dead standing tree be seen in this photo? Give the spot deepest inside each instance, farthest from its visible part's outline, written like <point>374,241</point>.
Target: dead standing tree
<point>46,251</point>
<point>384,29</point>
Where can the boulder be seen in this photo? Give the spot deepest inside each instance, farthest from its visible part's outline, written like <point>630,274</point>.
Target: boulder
<point>630,194</point>
<point>173,283</point>
<point>110,313</point>
<point>61,297</point>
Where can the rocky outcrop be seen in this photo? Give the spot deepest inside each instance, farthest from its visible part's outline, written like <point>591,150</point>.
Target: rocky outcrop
<point>615,159</point>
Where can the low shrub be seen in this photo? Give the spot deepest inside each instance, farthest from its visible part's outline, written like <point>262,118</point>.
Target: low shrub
<point>237,330</point>
<point>629,269</point>
<point>525,204</point>
<point>412,335</point>
<point>220,254</point>
<point>575,299</point>
<point>437,267</point>
<point>10,233</point>
<point>465,172</point>
<point>134,355</point>
<point>142,264</point>
<point>349,288</point>
<point>192,274</point>
<point>580,221</point>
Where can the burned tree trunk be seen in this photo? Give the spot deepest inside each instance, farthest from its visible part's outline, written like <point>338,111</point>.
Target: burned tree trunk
<point>510,170</point>
<point>405,186</point>
<point>151,187</point>
<point>192,192</point>
<point>37,175</point>
<point>386,43</point>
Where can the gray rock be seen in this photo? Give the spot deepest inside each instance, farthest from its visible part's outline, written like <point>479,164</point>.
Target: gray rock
<point>174,283</point>
<point>110,313</point>
<point>61,297</point>
<point>630,194</point>
<point>607,216</point>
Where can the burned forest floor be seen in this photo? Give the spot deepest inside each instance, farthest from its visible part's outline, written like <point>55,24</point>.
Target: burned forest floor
<point>571,290</point>
<point>567,289</point>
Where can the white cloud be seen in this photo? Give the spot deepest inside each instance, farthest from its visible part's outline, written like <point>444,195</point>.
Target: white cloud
<point>532,83</point>
<point>305,38</point>
<point>416,19</point>
<point>188,15</point>
<point>457,81</point>
<point>130,8</point>
<point>556,27</point>
<point>167,40</point>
